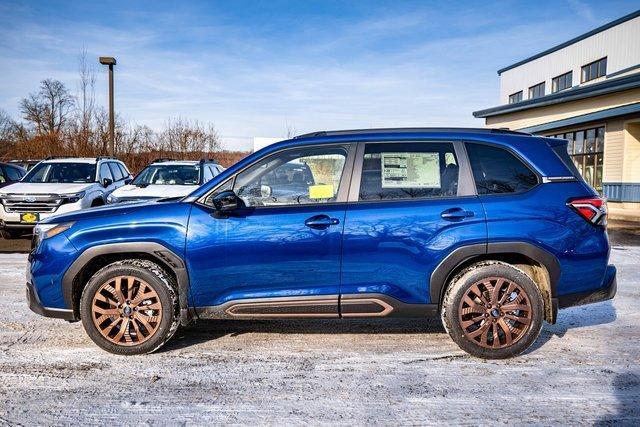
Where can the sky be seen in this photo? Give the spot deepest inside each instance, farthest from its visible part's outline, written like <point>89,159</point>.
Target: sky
<point>269,68</point>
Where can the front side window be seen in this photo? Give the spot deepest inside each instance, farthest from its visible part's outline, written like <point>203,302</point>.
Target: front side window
<point>536,91</point>
<point>562,82</point>
<point>105,172</point>
<point>515,97</point>
<point>409,171</point>
<point>497,171</point>
<point>594,70</point>
<point>293,177</point>
<point>115,171</point>
<point>160,174</point>
<point>66,173</point>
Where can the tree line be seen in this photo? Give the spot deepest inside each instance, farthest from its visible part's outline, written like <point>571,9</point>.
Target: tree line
<point>56,122</point>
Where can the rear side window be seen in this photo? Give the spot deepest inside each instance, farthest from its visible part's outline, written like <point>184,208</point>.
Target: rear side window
<point>561,151</point>
<point>497,171</point>
<point>409,171</point>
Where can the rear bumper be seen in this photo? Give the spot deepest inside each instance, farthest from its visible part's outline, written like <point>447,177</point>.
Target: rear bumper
<point>36,306</point>
<point>606,292</point>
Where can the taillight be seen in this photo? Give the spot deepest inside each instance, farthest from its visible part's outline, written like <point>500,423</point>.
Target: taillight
<point>593,209</point>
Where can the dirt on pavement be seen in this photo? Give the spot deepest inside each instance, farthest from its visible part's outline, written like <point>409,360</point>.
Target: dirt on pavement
<point>584,369</point>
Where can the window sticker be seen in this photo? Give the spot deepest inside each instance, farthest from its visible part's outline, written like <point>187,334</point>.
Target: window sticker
<point>415,170</point>
<point>321,191</point>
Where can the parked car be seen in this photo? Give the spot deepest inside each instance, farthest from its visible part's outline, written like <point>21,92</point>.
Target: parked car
<point>26,164</point>
<point>167,178</point>
<point>10,173</point>
<point>492,230</point>
<point>55,186</point>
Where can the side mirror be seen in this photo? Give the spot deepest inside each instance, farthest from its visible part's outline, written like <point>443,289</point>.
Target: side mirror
<point>128,181</point>
<point>106,182</point>
<point>226,201</point>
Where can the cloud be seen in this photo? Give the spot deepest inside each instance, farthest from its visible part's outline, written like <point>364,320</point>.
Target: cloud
<point>253,72</point>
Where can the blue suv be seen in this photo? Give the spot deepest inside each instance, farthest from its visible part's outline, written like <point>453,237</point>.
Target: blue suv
<point>490,229</point>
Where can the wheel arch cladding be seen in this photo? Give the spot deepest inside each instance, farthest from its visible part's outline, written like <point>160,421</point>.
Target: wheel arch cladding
<point>540,265</point>
<point>96,257</point>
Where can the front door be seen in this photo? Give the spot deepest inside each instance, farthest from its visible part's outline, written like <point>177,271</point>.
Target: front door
<point>411,206</point>
<point>278,255</point>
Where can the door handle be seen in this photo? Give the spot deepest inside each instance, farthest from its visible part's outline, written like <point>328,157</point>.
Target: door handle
<point>454,214</point>
<point>320,222</point>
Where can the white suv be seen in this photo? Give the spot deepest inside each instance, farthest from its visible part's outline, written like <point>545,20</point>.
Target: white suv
<point>58,185</point>
<point>167,178</point>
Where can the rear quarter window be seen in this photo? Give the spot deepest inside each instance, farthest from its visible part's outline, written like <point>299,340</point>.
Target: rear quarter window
<point>497,171</point>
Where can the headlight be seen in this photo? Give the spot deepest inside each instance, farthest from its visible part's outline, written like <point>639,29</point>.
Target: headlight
<point>46,231</point>
<point>112,199</point>
<point>72,198</point>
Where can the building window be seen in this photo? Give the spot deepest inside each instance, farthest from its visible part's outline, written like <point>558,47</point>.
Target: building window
<point>561,82</point>
<point>536,91</point>
<point>594,70</point>
<point>586,149</point>
<point>515,97</point>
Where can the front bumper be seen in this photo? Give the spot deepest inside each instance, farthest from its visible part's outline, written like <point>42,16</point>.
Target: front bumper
<point>36,306</point>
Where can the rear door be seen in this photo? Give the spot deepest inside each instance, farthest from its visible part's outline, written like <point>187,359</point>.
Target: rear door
<point>410,205</point>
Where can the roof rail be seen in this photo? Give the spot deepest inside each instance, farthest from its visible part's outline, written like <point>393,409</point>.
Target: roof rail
<point>163,159</point>
<point>409,130</point>
<point>209,160</point>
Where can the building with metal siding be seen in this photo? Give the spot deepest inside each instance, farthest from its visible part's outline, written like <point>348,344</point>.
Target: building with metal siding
<point>586,90</point>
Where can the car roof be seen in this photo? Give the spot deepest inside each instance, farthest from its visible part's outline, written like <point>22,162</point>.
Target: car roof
<point>176,163</point>
<point>80,160</point>
<point>412,130</point>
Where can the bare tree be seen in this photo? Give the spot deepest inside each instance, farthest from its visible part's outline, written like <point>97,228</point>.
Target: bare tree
<point>86,95</point>
<point>290,130</point>
<point>185,136</point>
<point>50,108</point>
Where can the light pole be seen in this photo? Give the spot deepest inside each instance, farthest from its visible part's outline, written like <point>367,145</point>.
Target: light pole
<point>110,61</point>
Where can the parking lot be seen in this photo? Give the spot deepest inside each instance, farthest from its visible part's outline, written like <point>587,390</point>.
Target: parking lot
<point>584,369</point>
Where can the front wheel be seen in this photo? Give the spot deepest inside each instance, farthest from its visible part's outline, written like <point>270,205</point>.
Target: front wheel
<point>130,307</point>
<point>493,310</point>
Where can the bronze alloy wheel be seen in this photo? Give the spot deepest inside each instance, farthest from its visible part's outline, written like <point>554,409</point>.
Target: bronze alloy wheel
<point>126,310</point>
<point>495,312</point>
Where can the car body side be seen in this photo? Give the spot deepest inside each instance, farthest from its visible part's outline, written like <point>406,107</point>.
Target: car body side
<point>533,228</point>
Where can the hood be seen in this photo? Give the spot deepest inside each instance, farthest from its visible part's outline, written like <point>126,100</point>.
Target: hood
<point>44,188</point>
<point>153,191</point>
<point>97,212</point>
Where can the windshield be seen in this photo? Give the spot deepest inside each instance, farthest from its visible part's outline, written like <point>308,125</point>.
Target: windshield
<point>67,173</point>
<point>169,175</point>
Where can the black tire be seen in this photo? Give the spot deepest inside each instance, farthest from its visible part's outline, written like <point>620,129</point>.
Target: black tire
<point>165,293</point>
<point>492,320</point>
<point>11,234</point>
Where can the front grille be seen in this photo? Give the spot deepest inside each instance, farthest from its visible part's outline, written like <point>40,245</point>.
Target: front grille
<point>31,203</point>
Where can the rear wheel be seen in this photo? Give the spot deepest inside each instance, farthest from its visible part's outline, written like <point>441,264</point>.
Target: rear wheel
<point>493,310</point>
<point>130,307</point>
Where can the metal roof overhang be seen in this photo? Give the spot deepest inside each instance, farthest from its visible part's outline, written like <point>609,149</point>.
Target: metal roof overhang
<point>596,89</point>
<point>585,118</point>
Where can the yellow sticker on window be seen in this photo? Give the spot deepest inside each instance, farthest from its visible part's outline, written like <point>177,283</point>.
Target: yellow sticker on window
<point>322,191</point>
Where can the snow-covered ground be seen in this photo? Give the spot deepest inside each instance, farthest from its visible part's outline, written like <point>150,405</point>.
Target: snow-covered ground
<point>585,369</point>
